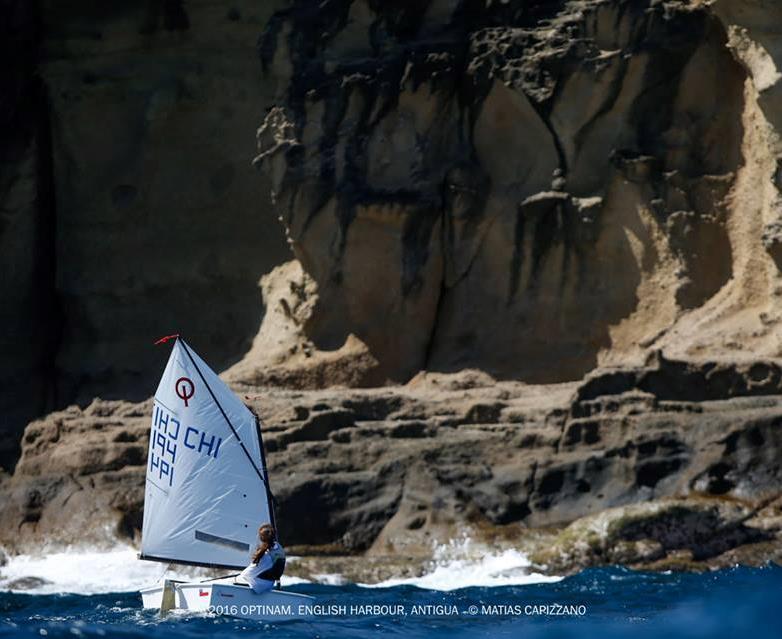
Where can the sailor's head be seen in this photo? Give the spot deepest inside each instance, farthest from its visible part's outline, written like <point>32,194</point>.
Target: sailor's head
<point>266,533</point>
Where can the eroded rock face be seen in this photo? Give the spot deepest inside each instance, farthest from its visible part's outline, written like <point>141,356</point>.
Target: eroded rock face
<point>393,470</point>
<point>283,355</point>
<point>529,188</point>
<point>692,533</point>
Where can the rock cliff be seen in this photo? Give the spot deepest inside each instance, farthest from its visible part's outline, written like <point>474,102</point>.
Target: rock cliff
<point>530,188</point>
<point>394,471</point>
<point>566,212</point>
<point>129,208</point>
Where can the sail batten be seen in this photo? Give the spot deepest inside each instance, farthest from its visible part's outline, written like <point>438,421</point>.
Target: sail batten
<point>205,494</point>
<point>222,541</point>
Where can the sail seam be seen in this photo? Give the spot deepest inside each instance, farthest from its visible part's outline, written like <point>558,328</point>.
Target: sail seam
<point>173,412</point>
<point>160,488</point>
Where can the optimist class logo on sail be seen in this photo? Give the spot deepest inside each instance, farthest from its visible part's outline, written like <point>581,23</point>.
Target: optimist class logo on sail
<point>185,389</point>
<point>167,435</point>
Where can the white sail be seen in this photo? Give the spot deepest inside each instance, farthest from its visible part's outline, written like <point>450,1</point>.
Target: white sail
<point>205,492</point>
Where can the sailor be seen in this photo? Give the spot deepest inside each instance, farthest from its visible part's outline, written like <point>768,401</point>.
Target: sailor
<point>268,562</point>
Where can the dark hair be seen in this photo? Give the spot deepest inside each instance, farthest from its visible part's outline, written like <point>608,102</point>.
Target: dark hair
<point>268,537</point>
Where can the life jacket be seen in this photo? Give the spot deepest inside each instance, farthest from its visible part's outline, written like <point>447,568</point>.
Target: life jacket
<point>277,555</point>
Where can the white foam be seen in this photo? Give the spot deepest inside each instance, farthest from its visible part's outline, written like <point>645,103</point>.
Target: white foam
<point>93,572</point>
<point>459,564</point>
<point>464,564</point>
<point>330,579</point>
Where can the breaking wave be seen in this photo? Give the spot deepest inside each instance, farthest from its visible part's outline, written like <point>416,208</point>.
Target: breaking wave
<point>91,572</point>
<point>463,563</point>
<point>460,564</point>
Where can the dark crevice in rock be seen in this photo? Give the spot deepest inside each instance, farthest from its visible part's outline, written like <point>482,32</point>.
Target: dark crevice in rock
<point>53,309</point>
<point>442,291</point>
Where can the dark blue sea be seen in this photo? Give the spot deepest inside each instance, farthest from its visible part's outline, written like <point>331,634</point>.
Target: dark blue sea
<point>610,602</point>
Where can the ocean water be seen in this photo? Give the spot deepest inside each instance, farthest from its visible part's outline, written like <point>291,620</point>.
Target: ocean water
<point>94,595</point>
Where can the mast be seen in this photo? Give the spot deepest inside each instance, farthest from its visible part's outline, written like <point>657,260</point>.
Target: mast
<point>269,496</point>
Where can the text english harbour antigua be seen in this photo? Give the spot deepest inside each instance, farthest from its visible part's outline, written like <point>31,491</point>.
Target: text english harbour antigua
<point>402,610</point>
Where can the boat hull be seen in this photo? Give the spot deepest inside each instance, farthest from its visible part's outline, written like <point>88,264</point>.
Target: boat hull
<point>225,597</point>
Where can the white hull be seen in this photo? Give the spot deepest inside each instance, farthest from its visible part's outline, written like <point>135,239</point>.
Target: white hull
<point>234,600</point>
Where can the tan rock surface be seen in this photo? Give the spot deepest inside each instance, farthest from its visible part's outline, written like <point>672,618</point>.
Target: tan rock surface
<point>533,189</point>
<point>395,471</point>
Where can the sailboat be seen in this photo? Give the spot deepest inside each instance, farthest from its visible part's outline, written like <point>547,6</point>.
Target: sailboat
<point>207,491</point>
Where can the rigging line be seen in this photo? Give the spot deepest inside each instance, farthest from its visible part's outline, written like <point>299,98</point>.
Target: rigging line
<point>165,570</point>
<point>235,574</point>
<point>222,412</point>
